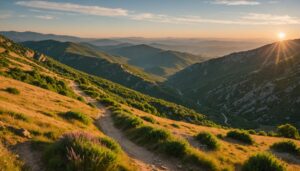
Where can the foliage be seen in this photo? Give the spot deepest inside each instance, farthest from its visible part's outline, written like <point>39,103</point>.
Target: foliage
<point>263,162</point>
<point>242,136</point>
<point>288,131</point>
<point>286,147</point>
<point>15,115</point>
<point>77,116</point>
<point>9,161</point>
<point>12,90</point>
<point>149,119</point>
<point>81,151</point>
<point>208,139</point>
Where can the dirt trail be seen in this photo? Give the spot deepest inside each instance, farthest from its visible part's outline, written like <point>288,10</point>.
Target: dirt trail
<point>144,159</point>
<point>31,159</point>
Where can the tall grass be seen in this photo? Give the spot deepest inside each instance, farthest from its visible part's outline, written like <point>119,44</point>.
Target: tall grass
<point>241,136</point>
<point>209,140</point>
<point>12,90</point>
<point>77,116</point>
<point>286,147</point>
<point>82,151</point>
<point>263,162</point>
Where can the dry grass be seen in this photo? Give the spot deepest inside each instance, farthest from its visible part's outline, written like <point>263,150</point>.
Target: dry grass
<point>231,152</point>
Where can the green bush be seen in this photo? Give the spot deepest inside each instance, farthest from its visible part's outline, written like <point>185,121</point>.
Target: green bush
<point>12,90</point>
<point>148,119</point>
<point>80,151</point>
<point>240,136</point>
<point>286,147</point>
<point>263,133</point>
<point>150,135</point>
<point>288,131</point>
<point>251,131</point>
<point>125,120</point>
<point>108,102</point>
<point>77,116</point>
<point>263,162</point>
<point>175,148</point>
<point>208,139</point>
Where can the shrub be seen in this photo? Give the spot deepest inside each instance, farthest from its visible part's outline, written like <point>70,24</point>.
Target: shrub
<point>12,90</point>
<point>78,116</point>
<point>208,139</point>
<point>125,120</point>
<point>149,119</point>
<point>15,115</point>
<point>150,135</point>
<point>286,147</point>
<point>240,136</point>
<point>288,131</point>
<point>108,102</point>
<point>175,125</point>
<point>263,162</point>
<point>80,98</point>
<point>80,151</point>
<point>251,131</point>
<point>263,133</point>
<point>175,148</point>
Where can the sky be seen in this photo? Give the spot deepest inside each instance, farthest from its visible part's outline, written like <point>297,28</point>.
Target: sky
<point>236,19</point>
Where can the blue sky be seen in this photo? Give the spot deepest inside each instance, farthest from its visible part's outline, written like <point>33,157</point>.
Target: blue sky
<point>154,18</point>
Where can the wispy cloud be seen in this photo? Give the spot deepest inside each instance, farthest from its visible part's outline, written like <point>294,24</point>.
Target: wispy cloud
<point>248,19</point>
<point>45,17</point>
<point>236,2</point>
<point>271,19</point>
<point>4,15</point>
<point>76,8</point>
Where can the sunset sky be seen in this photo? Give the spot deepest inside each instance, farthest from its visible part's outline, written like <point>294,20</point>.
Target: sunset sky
<point>262,19</point>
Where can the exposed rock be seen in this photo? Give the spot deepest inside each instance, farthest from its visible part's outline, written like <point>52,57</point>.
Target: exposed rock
<point>29,54</point>
<point>24,133</point>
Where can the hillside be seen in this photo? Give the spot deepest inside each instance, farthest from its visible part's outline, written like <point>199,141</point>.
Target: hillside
<point>259,86</point>
<point>155,61</point>
<point>104,65</point>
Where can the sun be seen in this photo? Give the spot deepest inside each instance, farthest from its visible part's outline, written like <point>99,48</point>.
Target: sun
<point>281,36</point>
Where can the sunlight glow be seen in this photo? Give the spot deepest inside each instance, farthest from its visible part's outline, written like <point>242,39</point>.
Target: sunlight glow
<point>281,36</point>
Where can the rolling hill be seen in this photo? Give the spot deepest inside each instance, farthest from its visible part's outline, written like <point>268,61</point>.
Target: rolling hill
<point>98,63</point>
<point>155,61</point>
<point>253,88</point>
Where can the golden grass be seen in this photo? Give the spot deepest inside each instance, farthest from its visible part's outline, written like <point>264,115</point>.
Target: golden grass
<point>231,153</point>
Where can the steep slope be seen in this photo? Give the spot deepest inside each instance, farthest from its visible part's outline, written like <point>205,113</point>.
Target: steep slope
<point>101,64</point>
<point>260,85</point>
<point>153,60</point>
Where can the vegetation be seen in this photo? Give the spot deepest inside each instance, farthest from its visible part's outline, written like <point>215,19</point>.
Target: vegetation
<point>263,162</point>
<point>208,139</point>
<point>15,115</point>
<point>159,139</point>
<point>286,147</point>
<point>82,151</point>
<point>77,116</point>
<point>12,90</point>
<point>242,136</point>
<point>148,119</point>
<point>35,78</point>
<point>288,131</point>
<point>9,161</point>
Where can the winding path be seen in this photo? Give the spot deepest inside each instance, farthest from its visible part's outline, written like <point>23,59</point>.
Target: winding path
<point>145,159</point>
<point>225,119</point>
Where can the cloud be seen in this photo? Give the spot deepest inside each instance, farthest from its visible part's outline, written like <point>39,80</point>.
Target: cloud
<point>45,17</point>
<point>271,19</point>
<point>75,8</point>
<point>248,19</point>
<point>236,2</point>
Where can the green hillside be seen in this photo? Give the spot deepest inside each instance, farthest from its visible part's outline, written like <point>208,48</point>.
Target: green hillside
<point>252,88</point>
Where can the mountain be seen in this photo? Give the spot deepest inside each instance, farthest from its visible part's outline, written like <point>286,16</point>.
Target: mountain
<point>34,36</point>
<point>154,60</point>
<point>252,88</point>
<point>104,65</point>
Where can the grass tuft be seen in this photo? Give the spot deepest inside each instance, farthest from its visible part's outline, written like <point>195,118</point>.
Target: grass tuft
<point>241,136</point>
<point>263,162</point>
<point>12,90</point>
<point>286,147</point>
<point>209,140</point>
<point>77,116</point>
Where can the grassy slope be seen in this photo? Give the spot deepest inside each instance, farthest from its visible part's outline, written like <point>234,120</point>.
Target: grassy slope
<point>231,152</point>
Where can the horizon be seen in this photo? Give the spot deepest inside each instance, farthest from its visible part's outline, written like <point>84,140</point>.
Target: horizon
<point>212,19</point>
